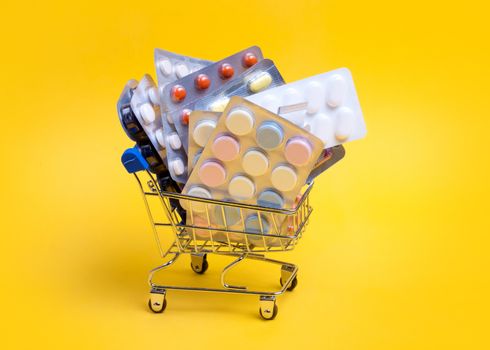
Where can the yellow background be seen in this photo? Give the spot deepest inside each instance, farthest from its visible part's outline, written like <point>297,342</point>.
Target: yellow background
<point>396,253</point>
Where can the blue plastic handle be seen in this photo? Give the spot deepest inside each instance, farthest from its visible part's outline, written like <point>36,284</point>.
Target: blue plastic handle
<point>133,161</point>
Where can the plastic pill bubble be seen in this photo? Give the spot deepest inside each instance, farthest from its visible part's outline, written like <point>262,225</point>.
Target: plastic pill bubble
<point>226,71</point>
<point>178,93</point>
<point>165,67</point>
<point>230,214</point>
<point>220,105</point>
<point>298,151</point>
<point>241,188</point>
<point>177,166</point>
<point>270,199</point>
<point>202,82</point>
<point>269,135</point>
<point>255,163</point>
<point>284,178</point>
<point>160,136</point>
<point>315,93</point>
<point>181,70</point>
<point>249,59</point>
<point>212,174</point>
<point>254,225</point>
<point>202,131</point>
<point>169,118</point>
<point>147,113</point>
<point>260,82</point>
<point>345,124</point>
<point>337,91</point>
<point>239,121</point>
<point>153,95</point>
<point>198,207</point>
<point>174,140</point>
<point>225,148</point>
<point>184,116</point>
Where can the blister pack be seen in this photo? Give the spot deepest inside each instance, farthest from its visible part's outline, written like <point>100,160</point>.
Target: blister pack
<point>262,76</point>
<point>129,122</point>
<point>325,105</point>
<point>201,126</point>
<point>171,66</point>
<point>145,104</point>
<point>253,157</point>
<point>328,158</point>
<point>180,96</point>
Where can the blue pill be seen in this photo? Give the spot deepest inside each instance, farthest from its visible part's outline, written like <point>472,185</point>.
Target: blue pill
<point>252,224</point>
<point>269,135</point>
<point>270,199</point>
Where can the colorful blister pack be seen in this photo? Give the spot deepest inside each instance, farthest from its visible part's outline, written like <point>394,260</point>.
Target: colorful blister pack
<point>262,76</point>
<point>253,157</point>
<point>145,104</point>
<point>171,66</point>
<point>325,104</point>
<point>201,126</point>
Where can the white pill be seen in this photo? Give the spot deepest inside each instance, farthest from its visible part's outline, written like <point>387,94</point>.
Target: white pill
<point>345,124</point>
<point>322,127</point>
<point>177,166</point>
<point>169,118</point>
<point>202,131</point>
<point>260,82</point>
<point>173,140</point>
<point>270,102</point>
<point>160,136</point>
<point>241,188</point>
<point>291,97</point>
<point>255,163</point>
<point>147,113</point>
<point>220,105</point>
<point>197,207</point>
<point>336,91</point>
<point>284,178</point>
<point>181,70</point>
<point>315,94</point>
<point>165,67</point>
<point>153,95</point>
<point>239,121</point>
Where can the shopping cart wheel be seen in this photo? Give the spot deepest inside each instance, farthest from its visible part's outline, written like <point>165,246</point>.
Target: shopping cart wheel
<point>293,284</point>
<point>199,263</point>
<point>157,302</point>
<point>268,308</point>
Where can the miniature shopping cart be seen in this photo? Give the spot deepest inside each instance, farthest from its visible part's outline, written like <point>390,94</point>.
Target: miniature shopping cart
<point>201,237</point>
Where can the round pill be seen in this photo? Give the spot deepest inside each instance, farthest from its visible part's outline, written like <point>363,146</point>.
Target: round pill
<point>260,82</point>
<point>337,91</point>
<point>270,199</point>
<point>255,163</point>
<point>230,214</point>
<point>225,148</point>
<point>197,191</point>
<point>202,131</point>
<point>253,225</point>
<point>165,67</point>
<point>269,135</point>
<point>241,188</point>
<point>184,116</point>
<point>212,174</point>
<point>298,151</point>
<point>174,141</point>
<point>177,166</point>
<point>147,113</point>
<point>160,136</point>
<point>181,70</point>
<point>226,71</point>
<point>202,82</point>
<point>153,95</point>
<point>345,124</point>
<point>284,178</point>
<point>178,93</point>
<point>249,59</point>
<point>239,121</point>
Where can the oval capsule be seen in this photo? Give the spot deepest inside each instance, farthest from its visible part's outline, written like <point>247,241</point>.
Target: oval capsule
<point>260,82</point>
<point>147,113</point>
<point>173,140</point>
<point>337,91</point>
<point>181,70</point>
<point>160,136</point>
<point>177,166</point>
<point>315,93</point>
<point>165,67</point>
<point>220,105</point>
<point>345,124</point>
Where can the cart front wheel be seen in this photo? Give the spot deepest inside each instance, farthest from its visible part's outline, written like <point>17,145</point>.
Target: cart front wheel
<point>293,284</point>
<point>268,314</point>
<point>157,305</point>
<point>199,264</point>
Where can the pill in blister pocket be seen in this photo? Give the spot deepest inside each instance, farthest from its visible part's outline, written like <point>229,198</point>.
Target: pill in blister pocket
<point>165,67</point>
<point>177,166</point>
<point>240,121</point>
<point>225,148</point>
<point>270,199</point>
<point>284,178</point>
<point>153,95</point>
<point>212,174</point>
<point>249,59</point>
<point>184,116</point>
<point>202,82</point>
<point>202,131</point>
<point>147,113</point>
<point>181,70</point>
<point>178,93</point>
<point>344,127</point>
<point>174,140</point>
<point>241,188</point>
<point>254,225</point>
<point>255,163</point>
<point>226,71</point>
<point>337,90</point>
<point>219,105</point>
<point>197,191</point>
<point>269,135</point>
<point>261,82</point>
<point>160,136</point>
<point>315,95</point>
<point>298,151</point>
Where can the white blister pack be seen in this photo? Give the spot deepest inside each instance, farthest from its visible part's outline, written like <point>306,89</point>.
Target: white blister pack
<point>325,105</point>
<point>145,104</point>
<point>171,66</point>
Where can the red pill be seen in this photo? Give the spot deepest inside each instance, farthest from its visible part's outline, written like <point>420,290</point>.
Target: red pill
<point>226,71</point>
<point>249,59</point>
<point>184,117</point>
<point>202,82</point>
<point>178,93</point>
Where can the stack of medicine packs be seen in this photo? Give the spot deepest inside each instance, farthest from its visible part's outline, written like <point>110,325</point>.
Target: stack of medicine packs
<point>234,131</point>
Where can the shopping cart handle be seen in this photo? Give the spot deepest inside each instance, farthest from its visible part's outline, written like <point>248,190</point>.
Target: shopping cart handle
<point>133,161</point>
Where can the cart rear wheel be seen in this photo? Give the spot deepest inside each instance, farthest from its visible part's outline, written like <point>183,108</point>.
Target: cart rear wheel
<point>157,307</point>
<point>267,314</point>
<point>293,284</point>
<point>199,264</point>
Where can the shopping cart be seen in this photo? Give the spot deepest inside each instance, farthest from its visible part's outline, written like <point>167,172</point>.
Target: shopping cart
<point>201,237</point>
